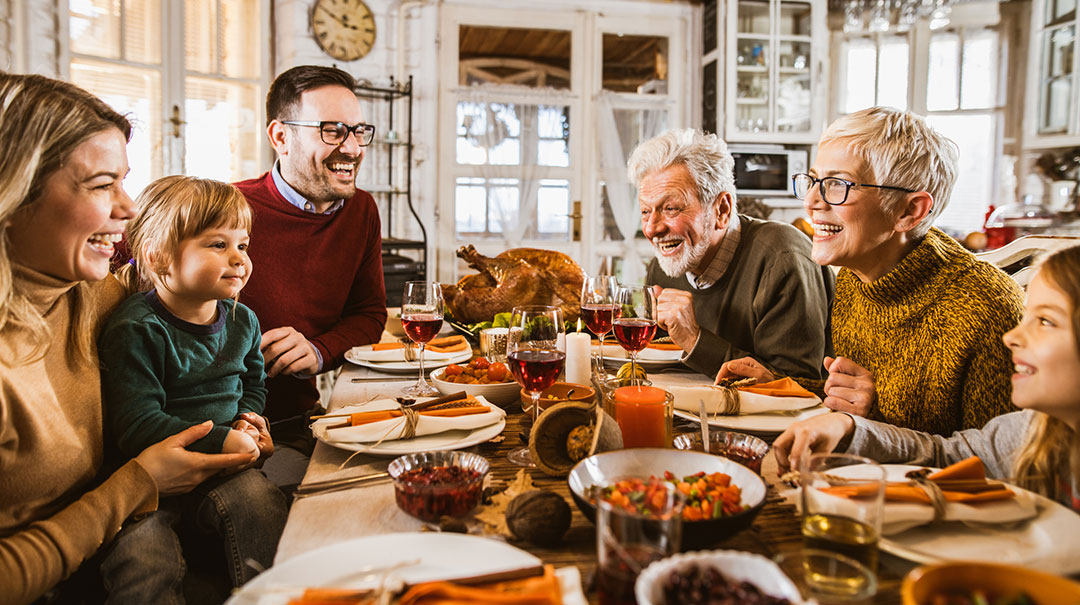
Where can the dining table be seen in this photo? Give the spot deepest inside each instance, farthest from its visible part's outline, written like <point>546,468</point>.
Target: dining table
<point>319,520</point>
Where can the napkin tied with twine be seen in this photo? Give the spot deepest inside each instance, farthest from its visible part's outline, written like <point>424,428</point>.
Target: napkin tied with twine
<point>391,423</point>
<point>781,395</point>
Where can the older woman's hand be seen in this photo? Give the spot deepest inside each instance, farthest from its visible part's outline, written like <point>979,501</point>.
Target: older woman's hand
<point>849,388</point>
<point>176,470</point>
<point>747,367</point>
<point>818,434</point>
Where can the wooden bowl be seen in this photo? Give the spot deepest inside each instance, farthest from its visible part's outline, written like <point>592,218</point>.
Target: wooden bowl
<point>997,579</point>
<point>557,392</point>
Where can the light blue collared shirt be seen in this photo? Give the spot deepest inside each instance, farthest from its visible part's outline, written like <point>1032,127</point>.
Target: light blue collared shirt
<point>294,197</point>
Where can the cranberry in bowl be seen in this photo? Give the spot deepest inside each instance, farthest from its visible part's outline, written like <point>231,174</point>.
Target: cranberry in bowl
<point>431,485</point>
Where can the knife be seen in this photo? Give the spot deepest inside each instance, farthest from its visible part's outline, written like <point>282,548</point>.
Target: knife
<point>335,485</point>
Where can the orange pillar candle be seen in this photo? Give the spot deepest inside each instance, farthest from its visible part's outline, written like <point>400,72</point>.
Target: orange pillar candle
<point>643,414</point>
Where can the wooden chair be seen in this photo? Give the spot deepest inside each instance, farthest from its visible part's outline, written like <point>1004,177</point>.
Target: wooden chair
<point>1017,256</point>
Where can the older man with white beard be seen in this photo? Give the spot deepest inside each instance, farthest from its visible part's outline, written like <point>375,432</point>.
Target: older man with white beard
<point>728,286</point>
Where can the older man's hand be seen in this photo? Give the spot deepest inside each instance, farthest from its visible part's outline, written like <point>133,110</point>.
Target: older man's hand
<point>849,388</point>
<point>675,313</point>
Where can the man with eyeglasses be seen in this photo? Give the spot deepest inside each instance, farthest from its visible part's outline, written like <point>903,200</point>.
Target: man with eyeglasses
<point>727,285</point>
<point>317,284</point>
<point>918,321</point>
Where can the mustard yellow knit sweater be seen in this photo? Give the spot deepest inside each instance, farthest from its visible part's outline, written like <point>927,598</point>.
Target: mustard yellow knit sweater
<point>930,330</point>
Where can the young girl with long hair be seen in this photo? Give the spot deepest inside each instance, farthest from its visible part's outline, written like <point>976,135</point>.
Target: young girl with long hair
<point>177,355</point>
<point>1037,448</point>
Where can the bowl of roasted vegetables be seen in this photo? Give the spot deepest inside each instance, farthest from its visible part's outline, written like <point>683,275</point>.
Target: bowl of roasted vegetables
<point>478,377</point>
<point>720,497</point>
<point>971,583</point>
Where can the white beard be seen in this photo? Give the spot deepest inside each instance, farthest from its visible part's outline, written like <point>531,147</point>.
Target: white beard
<point>677,266</point>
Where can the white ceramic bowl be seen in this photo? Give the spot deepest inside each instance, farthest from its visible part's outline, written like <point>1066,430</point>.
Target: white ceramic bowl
<point>393,322</point>
<point>737,566</point>
<point>500,394</point>
<point>605,468</point>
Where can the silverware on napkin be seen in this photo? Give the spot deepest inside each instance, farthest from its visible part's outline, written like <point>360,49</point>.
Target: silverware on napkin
<point>335,485</point>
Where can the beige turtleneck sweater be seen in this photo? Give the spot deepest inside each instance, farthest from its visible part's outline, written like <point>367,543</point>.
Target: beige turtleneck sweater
<point>55,510</point>
<point>930,330</point>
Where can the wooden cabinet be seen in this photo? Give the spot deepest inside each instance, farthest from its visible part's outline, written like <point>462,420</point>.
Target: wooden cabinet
<point>774,52</point>
<point>1053,106</point>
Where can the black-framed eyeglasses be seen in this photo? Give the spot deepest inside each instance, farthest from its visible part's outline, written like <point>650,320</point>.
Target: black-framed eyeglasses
<point>334,133</point>
<point>834,190</point>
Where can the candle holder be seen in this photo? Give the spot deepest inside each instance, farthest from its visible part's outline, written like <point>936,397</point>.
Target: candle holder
<point>643,412</point>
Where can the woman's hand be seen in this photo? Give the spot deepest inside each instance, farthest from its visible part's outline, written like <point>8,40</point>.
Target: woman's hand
<point>176,470</point>
<point>849,388</point>
<point>256,426</point>
<point>820,434</point>
<point>747,367</point>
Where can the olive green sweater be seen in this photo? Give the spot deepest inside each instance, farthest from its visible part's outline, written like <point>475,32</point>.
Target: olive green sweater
<point>930,330</point>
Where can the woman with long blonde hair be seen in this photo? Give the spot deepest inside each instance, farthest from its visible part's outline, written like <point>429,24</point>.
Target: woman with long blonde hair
<point>62,207</point>
<point>1037,448</point>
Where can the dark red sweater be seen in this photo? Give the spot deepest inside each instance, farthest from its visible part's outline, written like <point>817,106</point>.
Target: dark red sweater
<point>321,274</point>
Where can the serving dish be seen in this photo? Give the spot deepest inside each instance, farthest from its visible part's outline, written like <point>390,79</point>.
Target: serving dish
<point>605,468</point>
<point>740,447</point>
<point>738,566</point>
<point>429,485</point>
<point>501,394</point>
<point>922,583</point>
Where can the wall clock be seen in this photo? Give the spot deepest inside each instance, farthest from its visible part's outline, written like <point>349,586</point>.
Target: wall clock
<point>344,29</point>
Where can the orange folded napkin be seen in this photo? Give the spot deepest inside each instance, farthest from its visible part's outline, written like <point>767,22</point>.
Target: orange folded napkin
<point>967,479</point>
<point>387,346</point>
<point>447,341</point>
<point>461,346</point>
<point>361,418</point>
<point>785,387</point>
<point>664,346</point>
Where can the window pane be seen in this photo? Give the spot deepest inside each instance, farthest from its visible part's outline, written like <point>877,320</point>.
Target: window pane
<point>469,207</point>
<point>142,31</point>
<point>860,57</point>
<point>635,63</point>
<point>510,55</point>
<point>242,36</point>
<point>976,136</point>
<point>95,27</point>
<point>893,72</point>
<point>223,134</point>
<point>503,205</point>
<point>136,92</point>
<point>978,75</point>
<point>200,36</point>
<point>552,207</point>
<point>944,72</point>
<point>793,103</point>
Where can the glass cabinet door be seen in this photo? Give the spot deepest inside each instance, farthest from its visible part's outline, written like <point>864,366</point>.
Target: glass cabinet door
<point>1057,79</point>
<point>772,66</point>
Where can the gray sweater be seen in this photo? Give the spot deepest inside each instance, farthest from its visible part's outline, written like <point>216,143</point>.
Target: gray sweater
<point>771,304</point>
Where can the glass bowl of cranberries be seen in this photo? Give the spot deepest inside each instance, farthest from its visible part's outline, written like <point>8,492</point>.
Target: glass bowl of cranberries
<point>433,485</point>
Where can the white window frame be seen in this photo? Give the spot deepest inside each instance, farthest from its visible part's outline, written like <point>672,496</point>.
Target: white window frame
<point>173,74</point>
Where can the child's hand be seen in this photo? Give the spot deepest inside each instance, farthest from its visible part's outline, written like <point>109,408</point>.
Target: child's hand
<point>239,442</point>
<point>255,425</point>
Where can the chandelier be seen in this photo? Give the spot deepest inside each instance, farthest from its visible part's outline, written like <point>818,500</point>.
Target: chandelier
<point>880,16</point>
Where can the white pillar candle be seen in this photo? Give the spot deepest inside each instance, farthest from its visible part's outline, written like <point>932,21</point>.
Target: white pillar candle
<point>578,358</point>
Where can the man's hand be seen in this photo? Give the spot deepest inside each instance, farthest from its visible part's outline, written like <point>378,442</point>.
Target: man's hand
<point>849,388</point>
<point>746,367</point>
<point>175,470</point>
<point>286,351</point>
<point>675,313</point>
<point>820,434</point>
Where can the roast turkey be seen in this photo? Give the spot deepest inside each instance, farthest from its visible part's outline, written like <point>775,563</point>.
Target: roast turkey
<point>520,276</point>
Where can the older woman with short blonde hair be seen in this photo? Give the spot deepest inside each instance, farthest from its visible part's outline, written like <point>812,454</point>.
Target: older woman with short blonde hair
<point>918,320</point>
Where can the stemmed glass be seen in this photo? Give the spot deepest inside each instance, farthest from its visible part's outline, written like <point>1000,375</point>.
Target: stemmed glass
<point>421,317</point>
<point>636,326</point>
<point>598,307</point>
<point>534,358</point>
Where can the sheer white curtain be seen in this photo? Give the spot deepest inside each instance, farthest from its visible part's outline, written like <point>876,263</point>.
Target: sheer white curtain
<point>507,131</point>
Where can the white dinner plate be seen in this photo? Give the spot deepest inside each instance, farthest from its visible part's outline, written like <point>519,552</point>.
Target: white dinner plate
<point>408,367</point>
<point>1047,542</point>
<point>770,422</point>
<point>448,440</point>
<point>616,356</point>
<point>426,557</point>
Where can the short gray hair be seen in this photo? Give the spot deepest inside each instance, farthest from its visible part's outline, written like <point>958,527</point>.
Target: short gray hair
<point>704,155</point>
<point>901,150</point>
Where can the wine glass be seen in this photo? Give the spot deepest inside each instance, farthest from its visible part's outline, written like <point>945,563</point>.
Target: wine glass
<point>532,350</point>
<point>421,317</point>
<point>636,326</point>
<point>598,307</point>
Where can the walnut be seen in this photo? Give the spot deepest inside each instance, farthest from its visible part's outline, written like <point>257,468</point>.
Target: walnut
<point>539,517</point>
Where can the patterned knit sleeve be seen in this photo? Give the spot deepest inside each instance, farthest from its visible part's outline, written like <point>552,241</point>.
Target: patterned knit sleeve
<point>988,381</point>
<point>995,444</point>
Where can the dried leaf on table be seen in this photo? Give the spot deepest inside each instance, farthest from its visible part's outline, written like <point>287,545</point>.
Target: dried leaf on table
<point>497,439</point>
<point>493,515</point>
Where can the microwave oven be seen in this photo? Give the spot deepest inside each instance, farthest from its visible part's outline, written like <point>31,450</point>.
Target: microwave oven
<point>766,170</point>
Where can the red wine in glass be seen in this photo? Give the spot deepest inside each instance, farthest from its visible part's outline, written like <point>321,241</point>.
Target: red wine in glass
<point>598,318</point>
<point>633,333</point>
<point>536,370</point>
<point>421,327</point>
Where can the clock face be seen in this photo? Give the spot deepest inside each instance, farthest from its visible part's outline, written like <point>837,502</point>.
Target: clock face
<point>345,29</point>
